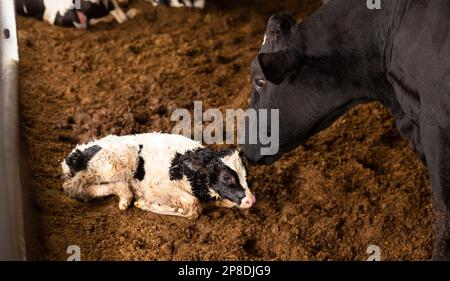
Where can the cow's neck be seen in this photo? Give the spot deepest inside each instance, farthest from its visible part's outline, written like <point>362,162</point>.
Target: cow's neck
<point>354,42</point>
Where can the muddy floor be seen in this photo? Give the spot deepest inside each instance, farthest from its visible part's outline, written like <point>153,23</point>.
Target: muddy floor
<point>356,184</point>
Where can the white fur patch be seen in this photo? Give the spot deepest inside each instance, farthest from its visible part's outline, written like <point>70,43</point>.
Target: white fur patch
<point>158,151</point>
<point>234,161</point>
<point>213,194</point>
<point>52,7</point>
<point>199,4</point>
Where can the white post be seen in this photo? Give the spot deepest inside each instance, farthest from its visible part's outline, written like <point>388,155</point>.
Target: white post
<point>12,239</point>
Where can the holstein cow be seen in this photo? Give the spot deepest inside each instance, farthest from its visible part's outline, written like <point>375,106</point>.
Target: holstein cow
<point>346,54</point>
<point>179,3</point>
<point>75,13</point>
<point>166,174</point>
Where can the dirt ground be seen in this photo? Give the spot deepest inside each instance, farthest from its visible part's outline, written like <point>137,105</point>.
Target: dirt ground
<point>355,184</point>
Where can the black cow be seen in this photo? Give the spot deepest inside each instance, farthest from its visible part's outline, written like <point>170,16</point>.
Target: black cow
<point>346,54</point>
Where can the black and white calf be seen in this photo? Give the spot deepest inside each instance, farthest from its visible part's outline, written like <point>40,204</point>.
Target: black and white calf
<point>348,53</point>
<point>179,3</point>
<point>166,174</point>
<point>75,13</point>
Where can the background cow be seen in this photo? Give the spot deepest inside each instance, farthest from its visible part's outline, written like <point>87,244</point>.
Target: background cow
<point>179,3</point>
<point>75,13</point>
<point>346,54</point>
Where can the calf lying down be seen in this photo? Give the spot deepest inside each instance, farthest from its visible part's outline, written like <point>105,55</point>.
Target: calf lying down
<point>166,174</point>
<point>85,13</point>
<point>75,13</point>
<point>179,3</point>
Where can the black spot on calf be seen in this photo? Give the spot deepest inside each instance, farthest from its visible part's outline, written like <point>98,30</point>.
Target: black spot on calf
<point>191,165</point>
<point>78,160</point>
<point>140,170</point>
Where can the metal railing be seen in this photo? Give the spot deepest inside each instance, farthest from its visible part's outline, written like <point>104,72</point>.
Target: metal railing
<point>12,238</point>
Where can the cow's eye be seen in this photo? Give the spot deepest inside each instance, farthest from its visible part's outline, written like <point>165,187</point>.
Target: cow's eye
<point>260,83</point>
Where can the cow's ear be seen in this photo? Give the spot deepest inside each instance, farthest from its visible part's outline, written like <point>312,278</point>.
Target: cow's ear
<point>275,66</point>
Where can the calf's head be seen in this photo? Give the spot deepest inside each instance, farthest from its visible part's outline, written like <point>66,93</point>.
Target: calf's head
<point>215,176</point>
<point>76,162</point>
<point>308,91</point>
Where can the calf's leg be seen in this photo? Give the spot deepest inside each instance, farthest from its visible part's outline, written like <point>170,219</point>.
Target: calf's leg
<point>106,19</point>
<point>170,201</point>
<point>131,13</point>
<point>118,13</point>
<point>121,189</point>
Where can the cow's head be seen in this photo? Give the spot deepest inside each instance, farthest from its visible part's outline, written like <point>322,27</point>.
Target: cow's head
<point>301,87</point>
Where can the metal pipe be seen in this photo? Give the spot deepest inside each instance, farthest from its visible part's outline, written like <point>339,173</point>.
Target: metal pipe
<point>12,238</point>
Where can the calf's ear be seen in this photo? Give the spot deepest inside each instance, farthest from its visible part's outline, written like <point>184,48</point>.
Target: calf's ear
<point>275,66</point>
<point>224,152</point>
<point>194,165</point>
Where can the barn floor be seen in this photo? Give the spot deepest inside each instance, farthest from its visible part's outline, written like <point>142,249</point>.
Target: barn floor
<point>356,184</point>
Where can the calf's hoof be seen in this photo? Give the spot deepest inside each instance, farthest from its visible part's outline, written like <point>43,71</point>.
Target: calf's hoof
<point>131,13</point>
<point>138,204</point>
<point>123,204</point>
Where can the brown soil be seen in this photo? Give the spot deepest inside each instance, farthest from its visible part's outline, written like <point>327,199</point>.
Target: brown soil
<point>355,184</point>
